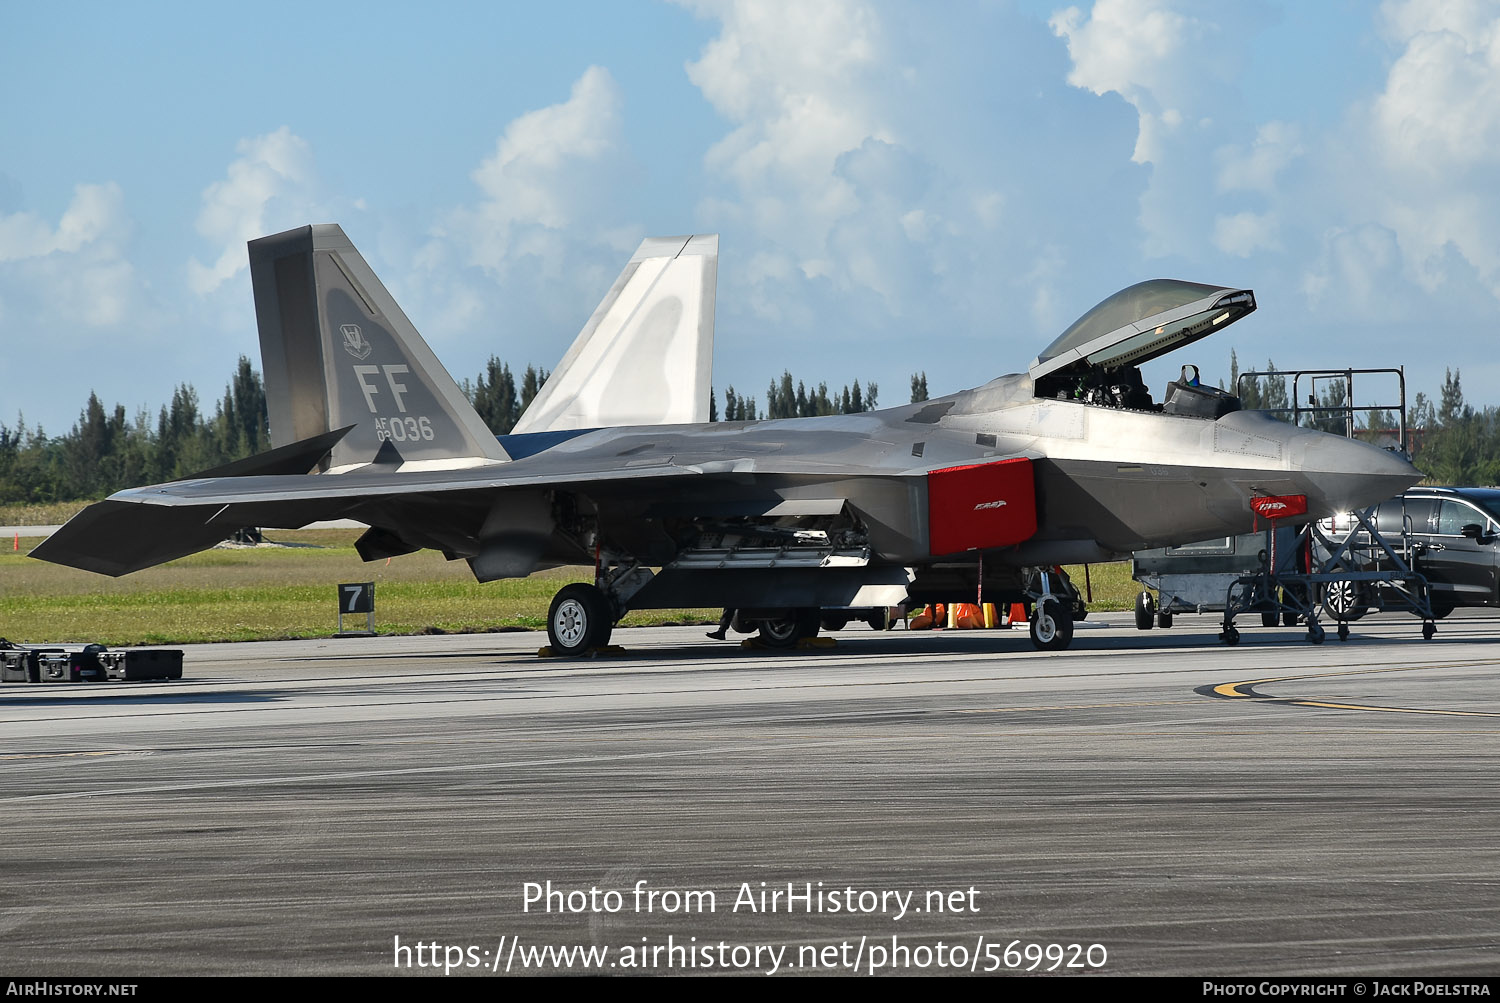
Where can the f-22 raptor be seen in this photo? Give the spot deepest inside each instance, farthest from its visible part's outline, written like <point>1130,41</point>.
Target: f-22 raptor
<point>614,466</point>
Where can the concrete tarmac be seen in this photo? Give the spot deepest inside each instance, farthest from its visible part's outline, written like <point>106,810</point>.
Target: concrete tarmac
<point>1169,805</point>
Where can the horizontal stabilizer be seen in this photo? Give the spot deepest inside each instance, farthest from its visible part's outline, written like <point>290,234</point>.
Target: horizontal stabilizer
<point>293,458</point>
<point>117,537</point>
<point>645,357</point>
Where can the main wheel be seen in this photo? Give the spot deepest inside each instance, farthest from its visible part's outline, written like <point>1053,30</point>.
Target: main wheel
<point>786,631</point>
<point>1345,600</point>
<point>1164,620</point>
<point>1051,625</point>
<point>1145,611</point>
<point>579,619</point>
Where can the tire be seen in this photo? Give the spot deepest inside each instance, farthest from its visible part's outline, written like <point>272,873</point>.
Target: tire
<point>1344,601</point>
<point>1164,620</point>
<point>1441,609</point>
<point>1288,618</point>
<point>579,618</point>
<point>786,631</point>
<point>1315,634</point>
<point>1051,625</point>
<point>1230,635</point>
<point>835,621</point>
<point>1145,611</point>
<point>1269,618</point>
<point>880,619</point>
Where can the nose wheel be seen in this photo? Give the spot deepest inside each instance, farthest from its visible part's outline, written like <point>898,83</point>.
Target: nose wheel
<point>1051,625</point>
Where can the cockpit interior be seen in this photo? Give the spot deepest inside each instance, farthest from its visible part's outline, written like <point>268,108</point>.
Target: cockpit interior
<point>1097,360</point>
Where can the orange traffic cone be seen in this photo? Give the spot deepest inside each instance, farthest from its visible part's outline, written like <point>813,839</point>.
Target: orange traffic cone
<point>17,546</point>
<point>1017,614</point>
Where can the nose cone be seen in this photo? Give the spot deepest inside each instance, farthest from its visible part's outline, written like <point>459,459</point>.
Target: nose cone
<point>1340,474</point>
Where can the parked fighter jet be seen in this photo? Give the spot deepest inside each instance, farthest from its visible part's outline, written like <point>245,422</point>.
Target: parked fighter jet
<point>614,467</point>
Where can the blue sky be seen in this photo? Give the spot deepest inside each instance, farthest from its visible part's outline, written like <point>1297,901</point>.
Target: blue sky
<point>897,187</point>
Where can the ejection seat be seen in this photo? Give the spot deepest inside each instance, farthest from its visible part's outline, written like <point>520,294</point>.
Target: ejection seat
<point>1199,402</point>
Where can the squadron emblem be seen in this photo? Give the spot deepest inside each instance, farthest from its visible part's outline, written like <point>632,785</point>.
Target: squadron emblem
<point>354,341</point>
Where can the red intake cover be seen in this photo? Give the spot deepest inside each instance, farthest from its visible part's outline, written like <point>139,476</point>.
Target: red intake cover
<point>980,506</point>
<point>1279,506</point>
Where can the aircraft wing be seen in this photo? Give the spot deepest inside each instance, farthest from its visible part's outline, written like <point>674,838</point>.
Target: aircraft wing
<point>455,510</point>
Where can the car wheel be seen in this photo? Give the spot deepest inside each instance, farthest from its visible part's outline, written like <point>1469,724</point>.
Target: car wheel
<point>1344,600</point>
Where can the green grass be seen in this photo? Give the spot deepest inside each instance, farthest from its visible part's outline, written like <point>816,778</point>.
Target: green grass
<point>1113,588</point>
<point>271,593</point>
<point>289,592</point>
<point>50,514</point>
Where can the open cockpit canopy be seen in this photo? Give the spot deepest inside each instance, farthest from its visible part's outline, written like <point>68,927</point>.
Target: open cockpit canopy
<point>1140,323</point>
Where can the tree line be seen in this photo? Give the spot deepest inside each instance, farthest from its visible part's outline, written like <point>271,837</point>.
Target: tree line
<point>1451,441</point>
<point>108,450</point>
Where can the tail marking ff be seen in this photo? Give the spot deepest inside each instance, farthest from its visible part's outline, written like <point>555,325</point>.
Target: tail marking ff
<point>337,351</point>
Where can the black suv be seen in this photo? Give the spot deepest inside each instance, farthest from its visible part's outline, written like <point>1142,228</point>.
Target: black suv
<point>1455,534</point>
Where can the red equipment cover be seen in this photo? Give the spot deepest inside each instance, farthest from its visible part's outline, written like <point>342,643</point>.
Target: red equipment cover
<point>1279,506</point>
<point>980,506</point>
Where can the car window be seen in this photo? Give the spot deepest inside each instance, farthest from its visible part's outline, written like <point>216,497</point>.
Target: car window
<point>1388,519</point>
<point>1455,515</point>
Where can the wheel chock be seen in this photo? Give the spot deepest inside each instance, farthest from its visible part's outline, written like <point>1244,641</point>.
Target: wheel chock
<point>608,649</point>
<point>805,644</point>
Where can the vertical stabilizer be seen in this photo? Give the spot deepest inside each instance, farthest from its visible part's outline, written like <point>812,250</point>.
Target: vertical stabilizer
<point>337,351</point>
<point>646,355</point>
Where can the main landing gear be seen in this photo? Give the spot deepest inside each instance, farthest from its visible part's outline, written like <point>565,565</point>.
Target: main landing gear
<point>580,618</point>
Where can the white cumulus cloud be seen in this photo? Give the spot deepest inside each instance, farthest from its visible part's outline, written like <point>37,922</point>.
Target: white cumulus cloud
<point>77,270</point>
<point>1431,174</point>
<point>1147,51</point>
<point>1255,168</point>
<point>1244,233</point>
<point>271,182</point>
<point>545,172</point>
<point>801,84</point>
